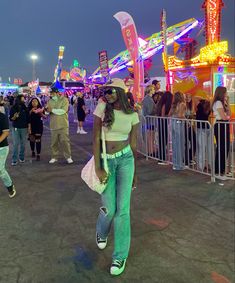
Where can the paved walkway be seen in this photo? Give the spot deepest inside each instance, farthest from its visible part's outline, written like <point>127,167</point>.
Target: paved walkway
<point>182,226</point>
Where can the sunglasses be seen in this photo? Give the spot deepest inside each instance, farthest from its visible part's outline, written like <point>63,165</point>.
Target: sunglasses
<point>110,91</point>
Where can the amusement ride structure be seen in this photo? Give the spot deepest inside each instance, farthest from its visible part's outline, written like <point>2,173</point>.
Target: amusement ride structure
<point>149,47</point>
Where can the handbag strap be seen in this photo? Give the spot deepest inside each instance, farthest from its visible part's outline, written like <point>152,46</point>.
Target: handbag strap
<point>104,149</point>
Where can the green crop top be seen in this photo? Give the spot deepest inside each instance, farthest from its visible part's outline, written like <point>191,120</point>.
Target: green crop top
<point>122,123</point>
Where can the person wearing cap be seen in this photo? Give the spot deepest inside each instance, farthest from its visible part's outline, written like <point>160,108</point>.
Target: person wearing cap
<point>58,107</point>
<point>120,124</point>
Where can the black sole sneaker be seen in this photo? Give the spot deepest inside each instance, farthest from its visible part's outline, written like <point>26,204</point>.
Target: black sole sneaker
<point>11,191</point>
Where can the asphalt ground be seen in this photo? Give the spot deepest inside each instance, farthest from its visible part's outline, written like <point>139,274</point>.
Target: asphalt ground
<point>182,225</point>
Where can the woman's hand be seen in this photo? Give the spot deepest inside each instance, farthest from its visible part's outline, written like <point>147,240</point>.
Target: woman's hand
<point>102,175</point>
<point>134,184</point>
<point>16,116</point>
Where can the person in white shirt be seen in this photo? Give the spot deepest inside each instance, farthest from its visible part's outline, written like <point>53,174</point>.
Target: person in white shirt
<point>221,111</point>
<point>120,124</point>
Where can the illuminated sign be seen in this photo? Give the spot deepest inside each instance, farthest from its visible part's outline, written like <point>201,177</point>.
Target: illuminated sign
<point>211,52</point>
<point>213,19</point>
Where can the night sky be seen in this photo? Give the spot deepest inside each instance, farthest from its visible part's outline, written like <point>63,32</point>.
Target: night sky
<point>84,28</point>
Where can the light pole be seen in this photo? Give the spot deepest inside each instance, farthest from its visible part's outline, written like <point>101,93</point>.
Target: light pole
<point>34,58</point>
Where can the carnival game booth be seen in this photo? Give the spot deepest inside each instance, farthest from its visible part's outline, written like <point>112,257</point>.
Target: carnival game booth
<point>201,75</point>
<point>213,66</point>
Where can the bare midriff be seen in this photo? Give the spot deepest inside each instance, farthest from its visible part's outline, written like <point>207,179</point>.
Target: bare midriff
<point>115,146</point>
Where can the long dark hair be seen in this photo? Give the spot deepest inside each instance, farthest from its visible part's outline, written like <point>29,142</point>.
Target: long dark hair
<point>130,99</point>
<point>124,105</point>
<point>166,99</point>
<point>18,105</point>
<point>177,99</point>
<point>219,95</point>
<point>30,106</point>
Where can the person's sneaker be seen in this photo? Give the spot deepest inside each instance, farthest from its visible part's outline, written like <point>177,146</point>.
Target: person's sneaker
<point>221,177</point>
<point>101,243</point>
<point>14,163</point>
<point>82,132</point>
<point>11,191</point>
<point>229,174</point>
<point>53,160</point>
<point>22,160</point>
<point>69,160</point>
<point>78,131</point>
<point>38,157</point>
<point>117,266</point>
<point>162,163</point>
<point>33,154</point>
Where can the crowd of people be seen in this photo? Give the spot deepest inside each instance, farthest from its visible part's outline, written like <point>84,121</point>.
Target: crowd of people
<point>117,116</point>
<point>191,140</point>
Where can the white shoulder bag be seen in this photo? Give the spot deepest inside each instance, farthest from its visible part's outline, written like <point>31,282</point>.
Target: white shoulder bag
<point>88,172</point>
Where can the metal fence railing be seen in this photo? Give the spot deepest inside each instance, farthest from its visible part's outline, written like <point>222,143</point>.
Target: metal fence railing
<point>189,144</point>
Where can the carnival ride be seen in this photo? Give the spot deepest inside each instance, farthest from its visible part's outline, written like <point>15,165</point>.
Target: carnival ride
<point>75,74</point>
<point>212,67</point>
<point>149,46</point>
<point>58,68</point>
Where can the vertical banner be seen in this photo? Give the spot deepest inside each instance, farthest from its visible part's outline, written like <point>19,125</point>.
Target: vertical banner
<point>104,64</point>
<point>212,20</point>
<point>132,43</point>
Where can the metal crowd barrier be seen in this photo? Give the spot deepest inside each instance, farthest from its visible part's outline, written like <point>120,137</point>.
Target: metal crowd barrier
<point>189,144</point>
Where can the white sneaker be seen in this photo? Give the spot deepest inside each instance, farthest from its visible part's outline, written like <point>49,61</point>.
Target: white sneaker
<point>53,160</point>
<point>221,177</point>
<point>78,131</point>
<point>83,132</point>
<point>101,243</point>
<point>117,266</point>
<point>162,163</point>
<point>69,160</point>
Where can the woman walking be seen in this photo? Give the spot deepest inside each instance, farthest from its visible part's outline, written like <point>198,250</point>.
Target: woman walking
<point>81,113</point>
<point>120,124</point>
<point>221,129</point>
<point>4,150</point>
<point>36,113</point>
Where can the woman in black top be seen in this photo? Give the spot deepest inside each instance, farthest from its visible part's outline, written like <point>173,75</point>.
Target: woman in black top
<point>81,113</point>
<point>204,140</point>
<point>162,110</point>
<point>36,113</point>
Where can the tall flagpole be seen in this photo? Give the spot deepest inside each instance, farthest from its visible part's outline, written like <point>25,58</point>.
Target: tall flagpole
<point>165,54</point>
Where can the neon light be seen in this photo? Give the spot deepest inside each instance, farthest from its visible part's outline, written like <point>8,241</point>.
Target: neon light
<point>213,19</point>
<point>153,46</point>
<point>142,42</point>
<point>211,52</point>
